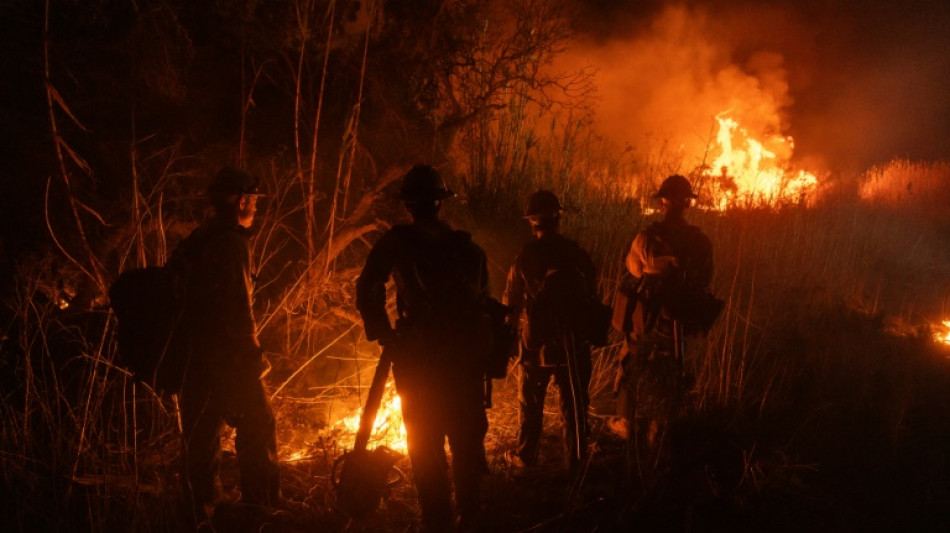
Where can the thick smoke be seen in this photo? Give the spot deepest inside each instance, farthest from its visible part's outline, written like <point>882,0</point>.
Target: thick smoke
<point>854,83</point>
<point>663,88</point>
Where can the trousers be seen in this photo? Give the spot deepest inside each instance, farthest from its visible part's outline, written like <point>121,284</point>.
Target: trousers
<point>436,408</point>
<point>206,405</point>
<point>573,403</point>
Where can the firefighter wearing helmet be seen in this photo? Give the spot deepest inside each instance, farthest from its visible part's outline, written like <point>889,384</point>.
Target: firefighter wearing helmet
<point>224,361</point>
<point>437,346</point>
<point>668,256</point>
<point>551,280</point>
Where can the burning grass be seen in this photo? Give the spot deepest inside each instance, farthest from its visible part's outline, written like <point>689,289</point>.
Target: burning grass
<point>942,332</point>
<point>748,172</point>
<point>388,428</point>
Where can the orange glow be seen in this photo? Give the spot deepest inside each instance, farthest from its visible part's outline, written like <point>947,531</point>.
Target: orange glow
<point>942,333</point>
<point>298,455</point>
<point>388,430</point>
<point>901,182</point>
<point>751,173</point>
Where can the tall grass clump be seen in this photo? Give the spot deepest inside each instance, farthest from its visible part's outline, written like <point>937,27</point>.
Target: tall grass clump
<point>905,184</point>
<point>820,356</point>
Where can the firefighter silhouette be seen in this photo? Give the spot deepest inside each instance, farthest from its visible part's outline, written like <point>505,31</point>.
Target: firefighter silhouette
<point>224,361</point>
<point>549,286</point>
<point>667,259</point>
<point>438,346</point>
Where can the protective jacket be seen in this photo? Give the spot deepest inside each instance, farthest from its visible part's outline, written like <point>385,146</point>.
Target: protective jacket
<point>527,275</point>
<point>441,280</point>
<point>218,317</point>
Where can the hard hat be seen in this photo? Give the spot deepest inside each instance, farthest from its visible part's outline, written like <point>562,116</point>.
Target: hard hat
<point>230,180</point>
<point>543,204</point>
<point>675,187</point>
<point>423,182</point>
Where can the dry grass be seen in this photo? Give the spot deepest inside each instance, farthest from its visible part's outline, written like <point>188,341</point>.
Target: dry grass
<point>903,184</point>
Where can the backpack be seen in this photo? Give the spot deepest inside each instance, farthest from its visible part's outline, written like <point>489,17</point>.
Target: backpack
<point>695,308</point>
<point>148,304</point>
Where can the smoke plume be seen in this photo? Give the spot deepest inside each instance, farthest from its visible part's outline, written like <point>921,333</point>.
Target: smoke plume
<point>663,88</point>
<point>854,83</point>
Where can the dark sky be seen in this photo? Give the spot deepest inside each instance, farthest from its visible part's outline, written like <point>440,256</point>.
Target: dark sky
<point>867,81</point>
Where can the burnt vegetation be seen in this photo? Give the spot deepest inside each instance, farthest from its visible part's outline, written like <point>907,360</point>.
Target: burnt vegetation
<point>819,401</point>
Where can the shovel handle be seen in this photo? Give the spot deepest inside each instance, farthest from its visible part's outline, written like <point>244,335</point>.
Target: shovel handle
<point>373,400</point>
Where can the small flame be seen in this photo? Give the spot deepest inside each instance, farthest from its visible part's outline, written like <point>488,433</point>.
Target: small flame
<point>388,429</point>
<point>298,455</point>
<point>752,173</point>
<point>942,335</point>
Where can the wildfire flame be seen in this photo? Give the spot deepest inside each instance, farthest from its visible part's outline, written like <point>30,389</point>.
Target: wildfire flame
<point>753,173</point>
<point>388,429</point>
<point>942,335</point>
<point>298,455</point>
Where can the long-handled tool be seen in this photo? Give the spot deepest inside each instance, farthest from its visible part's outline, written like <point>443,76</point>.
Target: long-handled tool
<point>679,347</point>
<point>361,477</point>
<point>580,414</point>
